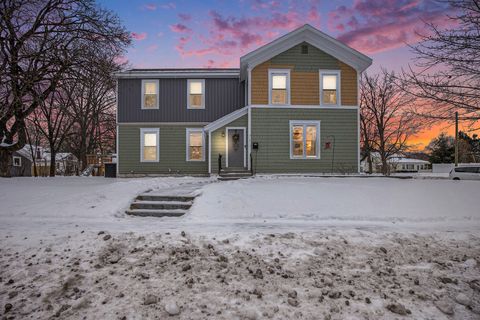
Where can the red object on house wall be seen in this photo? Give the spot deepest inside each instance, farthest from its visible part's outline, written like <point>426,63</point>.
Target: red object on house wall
<point>327,145</point>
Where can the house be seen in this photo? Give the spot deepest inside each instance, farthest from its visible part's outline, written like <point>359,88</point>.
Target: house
<point>23,162</point>
<point>291,107</point>
<point>397,163</point>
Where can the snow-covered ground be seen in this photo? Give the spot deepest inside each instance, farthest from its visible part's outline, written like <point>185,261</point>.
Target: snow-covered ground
<point>270,247</point>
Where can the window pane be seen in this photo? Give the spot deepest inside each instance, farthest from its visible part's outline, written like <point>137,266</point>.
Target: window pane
<point>297,141</point>
<point>279,81</point>
<point>311,141</point>
<point>279,96</point>
<point>150,101</point>
<point>150,153</point>
<point>150,140</point>
<point>150,88</point>
<point>195,100</point>
<point>195,145</point>
<point>329,82</point>
<point>196,87</point>
<point>329,96</point>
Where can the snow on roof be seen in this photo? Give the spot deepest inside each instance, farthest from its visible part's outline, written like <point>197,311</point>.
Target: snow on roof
<point>407,160</point>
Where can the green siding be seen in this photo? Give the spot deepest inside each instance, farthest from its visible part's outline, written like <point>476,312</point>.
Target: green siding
<point>218,142</point>
<point>172,152</point>
<point>313,61</point>
<point>271,129</point>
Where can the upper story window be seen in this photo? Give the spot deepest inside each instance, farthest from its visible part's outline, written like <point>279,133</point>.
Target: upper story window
<point>279,86</point>
<point>329,87</point>
<point>195,144</point>
<point>149,94</point>
<point>149,141</point>
<point>196,94</point>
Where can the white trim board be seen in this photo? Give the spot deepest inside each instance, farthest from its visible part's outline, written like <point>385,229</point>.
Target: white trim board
<point>244,144</point>
<point>294,106</point>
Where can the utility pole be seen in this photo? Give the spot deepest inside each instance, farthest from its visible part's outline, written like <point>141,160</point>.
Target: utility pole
<point>456,139</point>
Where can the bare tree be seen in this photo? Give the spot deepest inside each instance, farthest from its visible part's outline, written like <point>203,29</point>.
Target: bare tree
<point>39,41</point>
<point>446,74</point>
<point>92,108</point>
<point>386,120</point>
<point>52,120</point>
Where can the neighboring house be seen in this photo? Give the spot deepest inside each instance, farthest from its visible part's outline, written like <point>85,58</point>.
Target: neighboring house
<point>21,163</point>
<point>397,163</point>
<point>291,107</point>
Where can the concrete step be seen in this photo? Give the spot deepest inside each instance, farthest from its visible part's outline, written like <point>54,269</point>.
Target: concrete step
<point>137,204</point>
<point>156,212</point>
<point>234,171</point>
<point>229,178</point>
<point>235,174</point>
<point>157,197</point>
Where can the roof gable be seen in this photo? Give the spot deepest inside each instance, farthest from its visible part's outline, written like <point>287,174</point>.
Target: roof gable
<point>312,36</point>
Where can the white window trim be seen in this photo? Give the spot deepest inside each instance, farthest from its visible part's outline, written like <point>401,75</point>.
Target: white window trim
<point>203,94</point>
<point>278,71</point>
<point>304,123</point>
<point>142,142</point>
<point>19,163</point>
<point>143,93</point>
<point>187,151</point>
<point>330,72</point>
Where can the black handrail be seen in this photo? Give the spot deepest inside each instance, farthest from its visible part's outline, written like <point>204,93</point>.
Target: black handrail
<point>219,163</point>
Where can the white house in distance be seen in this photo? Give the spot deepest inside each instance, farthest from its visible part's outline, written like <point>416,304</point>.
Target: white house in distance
<point>397,163</point>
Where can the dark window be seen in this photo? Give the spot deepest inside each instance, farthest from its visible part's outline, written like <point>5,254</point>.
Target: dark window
<point>304,49</point>
<point>468,169</point>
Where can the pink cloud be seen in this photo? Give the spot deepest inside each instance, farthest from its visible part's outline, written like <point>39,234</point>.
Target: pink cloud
<point>379,25</point>
<point>121,59</point>
<point>150,7</point>
<point>139,36</point>
<point>180,28</point>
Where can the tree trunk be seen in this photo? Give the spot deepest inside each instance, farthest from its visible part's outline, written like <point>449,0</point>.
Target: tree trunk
<point>370,164</point>
<point>5,159</point>
<point>385,167</point>
<point>52,164</point>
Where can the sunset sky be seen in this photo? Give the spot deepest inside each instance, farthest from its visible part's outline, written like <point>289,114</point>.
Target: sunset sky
<point>215,33</point>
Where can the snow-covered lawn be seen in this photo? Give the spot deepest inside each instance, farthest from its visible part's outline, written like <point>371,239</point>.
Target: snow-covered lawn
<point>270,247</point>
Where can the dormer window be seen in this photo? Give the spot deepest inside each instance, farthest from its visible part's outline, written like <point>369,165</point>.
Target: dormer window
<point>329,87</point>
<point>196,94</point>
<point>279,87</point>
<point>149,94</point>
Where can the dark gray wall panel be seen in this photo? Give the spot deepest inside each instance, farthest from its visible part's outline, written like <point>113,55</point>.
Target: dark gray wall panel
<point>222,96</point>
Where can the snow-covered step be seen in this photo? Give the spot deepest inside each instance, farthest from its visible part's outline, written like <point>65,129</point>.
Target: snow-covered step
<point>156,212</point>
<point>142,204</point>
<point>158,197</point>
<point>235,177</point>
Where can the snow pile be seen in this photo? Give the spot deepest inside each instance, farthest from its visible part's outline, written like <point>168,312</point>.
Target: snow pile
<point>338,201</point>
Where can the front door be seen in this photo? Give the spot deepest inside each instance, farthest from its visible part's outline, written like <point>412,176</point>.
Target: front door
<point>236,147</point>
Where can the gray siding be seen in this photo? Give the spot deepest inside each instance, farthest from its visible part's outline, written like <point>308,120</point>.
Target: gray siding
<point>25,170</point>
<point>172,152</point>
<point>222,96</point>
<point>271,129</point>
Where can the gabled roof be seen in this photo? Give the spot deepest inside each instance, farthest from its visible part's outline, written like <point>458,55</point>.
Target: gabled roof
<point>217,124</point>
<point>309,34</point>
